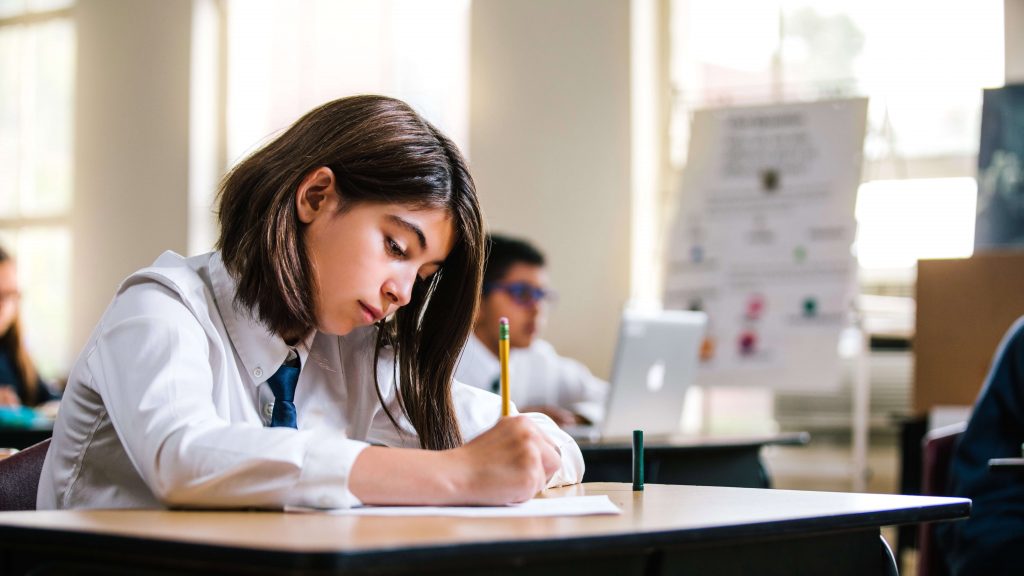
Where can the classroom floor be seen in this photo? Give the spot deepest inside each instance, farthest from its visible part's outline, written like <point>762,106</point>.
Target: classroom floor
<point>825,464</point>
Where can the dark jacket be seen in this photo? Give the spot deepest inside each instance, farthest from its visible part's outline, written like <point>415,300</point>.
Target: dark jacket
<point>991,541</point>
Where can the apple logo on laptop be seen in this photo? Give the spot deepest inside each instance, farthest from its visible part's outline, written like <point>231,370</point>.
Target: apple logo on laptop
<point>656,376</point>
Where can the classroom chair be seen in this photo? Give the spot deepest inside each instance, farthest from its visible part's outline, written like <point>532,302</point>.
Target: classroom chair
<point>938,455</point>
<point>19,477</point>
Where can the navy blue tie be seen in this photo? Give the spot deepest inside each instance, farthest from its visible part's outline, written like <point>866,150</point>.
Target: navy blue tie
<point>282,384</point>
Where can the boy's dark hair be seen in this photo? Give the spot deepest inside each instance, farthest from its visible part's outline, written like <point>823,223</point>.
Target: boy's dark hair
<point>503,252</point>
<point>380,151</point>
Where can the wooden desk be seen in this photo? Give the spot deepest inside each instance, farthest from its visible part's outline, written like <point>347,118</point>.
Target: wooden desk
<point>22,437</point>
<point>704,461</point>
<point>663,530</point>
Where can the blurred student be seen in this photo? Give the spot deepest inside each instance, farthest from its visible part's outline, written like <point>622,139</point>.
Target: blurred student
<point>309,360</point>
<point>20,384</point>
<point>991,541</point>
<point>516,286</point>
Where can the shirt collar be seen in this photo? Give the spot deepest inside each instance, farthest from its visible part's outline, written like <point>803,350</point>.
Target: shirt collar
<point>261,351</point>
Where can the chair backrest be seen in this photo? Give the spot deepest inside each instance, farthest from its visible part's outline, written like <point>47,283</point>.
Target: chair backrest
<point>937,458</point>
<point>19,477</point>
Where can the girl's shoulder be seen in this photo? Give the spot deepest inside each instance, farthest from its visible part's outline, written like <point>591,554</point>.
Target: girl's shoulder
<point>164,287</point>
<point>183,275</point>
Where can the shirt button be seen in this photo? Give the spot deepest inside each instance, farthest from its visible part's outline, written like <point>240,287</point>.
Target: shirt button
<point>268,410</point>
<point>258,372</point>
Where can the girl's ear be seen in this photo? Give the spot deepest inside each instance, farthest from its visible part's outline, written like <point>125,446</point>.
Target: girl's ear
<point>317,194</point>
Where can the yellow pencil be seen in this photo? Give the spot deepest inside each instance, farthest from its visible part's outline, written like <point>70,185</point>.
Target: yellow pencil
<point>503,356</point>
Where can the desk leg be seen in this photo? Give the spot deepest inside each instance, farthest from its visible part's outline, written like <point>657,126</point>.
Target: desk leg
<point>892,567</point>
<point>912,431</point>
<point>766,478</point>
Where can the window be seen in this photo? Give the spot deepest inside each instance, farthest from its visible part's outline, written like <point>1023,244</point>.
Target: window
<point>37,53</point>
<point>903,220</point>
<point>286,57</point>
<point>923,66</point>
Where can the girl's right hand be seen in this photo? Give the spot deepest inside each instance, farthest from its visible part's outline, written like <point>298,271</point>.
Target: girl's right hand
<point>511,462</point>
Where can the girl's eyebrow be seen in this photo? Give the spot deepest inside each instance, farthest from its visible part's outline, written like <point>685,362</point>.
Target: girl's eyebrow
<point>411,227</point>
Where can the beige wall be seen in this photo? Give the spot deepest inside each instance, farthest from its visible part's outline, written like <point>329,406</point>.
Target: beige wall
<point>550,151</point>
<point>131,145</point>
<point>1013,23</point>
<point>549,146</point>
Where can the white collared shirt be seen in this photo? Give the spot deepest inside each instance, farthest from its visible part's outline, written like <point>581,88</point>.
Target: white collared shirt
<point>167,404</point>
<point>539,376</point>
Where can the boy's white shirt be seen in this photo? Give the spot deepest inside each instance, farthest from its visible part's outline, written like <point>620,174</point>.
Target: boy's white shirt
<point>539,377</point>
<point>167,405</point>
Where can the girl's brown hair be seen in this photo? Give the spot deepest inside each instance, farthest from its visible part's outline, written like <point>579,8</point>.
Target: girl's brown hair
<point>11,343</point>
<point>380,151</point>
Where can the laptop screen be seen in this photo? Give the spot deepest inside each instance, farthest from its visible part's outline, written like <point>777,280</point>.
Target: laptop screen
<point>655,363</point>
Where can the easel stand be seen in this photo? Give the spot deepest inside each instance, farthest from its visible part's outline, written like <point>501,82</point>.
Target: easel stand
<point>861,391</point>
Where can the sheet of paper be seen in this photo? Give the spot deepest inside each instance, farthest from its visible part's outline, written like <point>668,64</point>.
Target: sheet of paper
<point>568,506</point>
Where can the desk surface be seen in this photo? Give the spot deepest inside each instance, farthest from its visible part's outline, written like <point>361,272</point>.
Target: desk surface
<point>703,460</point>
<point>22,437</point>
<point>700,442</point>
<point>660,514</point>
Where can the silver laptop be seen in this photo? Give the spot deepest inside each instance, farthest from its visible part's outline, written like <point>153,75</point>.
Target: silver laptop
<point>655,363</point>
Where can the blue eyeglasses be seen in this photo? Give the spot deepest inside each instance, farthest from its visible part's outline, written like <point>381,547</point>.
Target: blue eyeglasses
<point>523,293</point>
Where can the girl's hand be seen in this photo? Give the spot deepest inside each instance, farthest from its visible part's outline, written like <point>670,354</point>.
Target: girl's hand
<point>509,463</point>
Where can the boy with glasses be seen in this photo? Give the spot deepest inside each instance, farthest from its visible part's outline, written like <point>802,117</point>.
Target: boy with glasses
<point>515,286</point>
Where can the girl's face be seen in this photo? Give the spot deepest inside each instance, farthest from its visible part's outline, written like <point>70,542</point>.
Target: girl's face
<point>366,259</point>
<point>8,295</point>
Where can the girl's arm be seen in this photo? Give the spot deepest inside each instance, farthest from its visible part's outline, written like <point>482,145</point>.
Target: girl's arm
<point>183,428</point>
<point>499,463</point>
<point>509,463</point>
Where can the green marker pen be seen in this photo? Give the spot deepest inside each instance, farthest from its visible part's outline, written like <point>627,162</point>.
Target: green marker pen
<point>638,460</point>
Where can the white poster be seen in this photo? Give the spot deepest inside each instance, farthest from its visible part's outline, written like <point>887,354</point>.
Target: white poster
<point>762,240</point>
